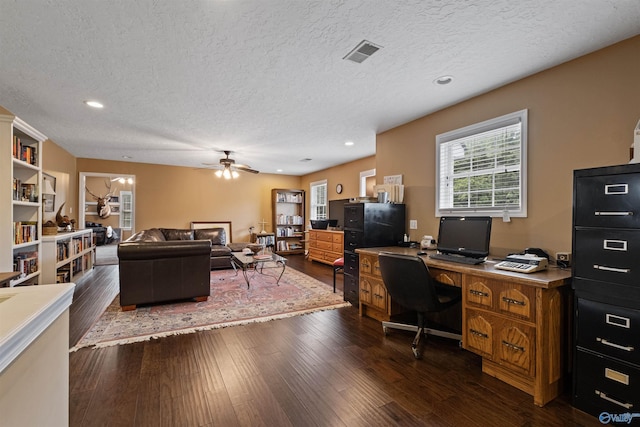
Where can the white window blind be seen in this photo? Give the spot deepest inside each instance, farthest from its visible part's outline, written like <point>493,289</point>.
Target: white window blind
<point>482,168</point>
<point>318,201</point>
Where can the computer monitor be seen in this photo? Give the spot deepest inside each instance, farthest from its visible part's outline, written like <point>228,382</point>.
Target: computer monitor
<point>468,236</point>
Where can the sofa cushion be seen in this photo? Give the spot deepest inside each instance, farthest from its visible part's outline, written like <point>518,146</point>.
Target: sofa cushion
<point>151,235</point>
<point>219,250</point>
<point>218,235</point>
<point>177,234</point>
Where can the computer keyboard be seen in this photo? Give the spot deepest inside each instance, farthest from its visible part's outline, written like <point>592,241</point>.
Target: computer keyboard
<point>457,258</point>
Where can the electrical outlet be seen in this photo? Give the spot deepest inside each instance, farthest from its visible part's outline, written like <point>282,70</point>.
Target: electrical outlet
<point>413,224</point>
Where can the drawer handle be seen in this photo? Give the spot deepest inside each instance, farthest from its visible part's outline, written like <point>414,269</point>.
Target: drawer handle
<point>512,346</point>
<point>364,291</point>
<point>614,345</point>
<point>513,301</point>
<point>378,295</point>
<point>604,396</point>
<point>478,293</point>
<point>478,333</point>
<point>612,269</point>
<point>623,322</point>
<point>603,213</point>
<point>615,245</point>
<point>616,189</point>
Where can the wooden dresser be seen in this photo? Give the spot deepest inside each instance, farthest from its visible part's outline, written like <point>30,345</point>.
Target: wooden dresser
<point>517,322</point>
<point>326,245</point>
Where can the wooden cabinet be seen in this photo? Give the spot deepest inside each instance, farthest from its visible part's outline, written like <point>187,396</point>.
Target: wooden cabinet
<point>67,256</point>
<point>326,246</point>
<point>288,220</point>
<point>516,322</point>
<point>20,190</point>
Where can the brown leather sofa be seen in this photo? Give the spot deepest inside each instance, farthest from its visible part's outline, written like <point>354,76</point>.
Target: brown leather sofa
<point>220,251</point>
<point>152,272</point>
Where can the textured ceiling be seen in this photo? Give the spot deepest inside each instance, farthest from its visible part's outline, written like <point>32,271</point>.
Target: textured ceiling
<point>266,78</point>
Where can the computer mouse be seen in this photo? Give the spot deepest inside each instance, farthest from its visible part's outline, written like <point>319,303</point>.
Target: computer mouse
<point>422,253</point>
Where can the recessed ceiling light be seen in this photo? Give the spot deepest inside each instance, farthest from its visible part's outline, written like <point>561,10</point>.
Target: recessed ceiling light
<point>443,80</point>
<point>94,104</point>
<point>349,143</point>
<point>126,157</point>
<point>278,170</point>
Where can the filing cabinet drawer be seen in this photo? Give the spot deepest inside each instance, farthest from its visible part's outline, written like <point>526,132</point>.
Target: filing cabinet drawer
<point>608,329</point>
<point>605,385</point>
<point>351,289</point>
<point>608,201</point>
<point>351,264</point>
<point>609,255</point>
<point>353,240</point>
<point>354,216</point>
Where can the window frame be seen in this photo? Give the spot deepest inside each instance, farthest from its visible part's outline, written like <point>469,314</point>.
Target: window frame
<point>313,205</point>
<point>475,129</point>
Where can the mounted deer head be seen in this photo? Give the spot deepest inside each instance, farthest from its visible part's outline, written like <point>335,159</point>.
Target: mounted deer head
<point>103,209</point>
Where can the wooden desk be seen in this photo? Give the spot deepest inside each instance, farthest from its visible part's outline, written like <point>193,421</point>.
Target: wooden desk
<point>517,322</point>
<point>7,277</point>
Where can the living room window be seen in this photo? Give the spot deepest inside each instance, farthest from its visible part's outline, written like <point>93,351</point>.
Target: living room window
<point>481,169</point>
<point>126,210</point>
<point>318,202</point>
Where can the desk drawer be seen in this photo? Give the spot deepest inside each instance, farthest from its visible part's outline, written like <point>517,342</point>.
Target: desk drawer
<point>506,342</point>
<point>605,385</point>
<point>608,329</point>
<point>500,297</point>
<point>447,277</point>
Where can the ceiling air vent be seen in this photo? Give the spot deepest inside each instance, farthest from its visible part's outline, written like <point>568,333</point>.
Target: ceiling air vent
<point>361,52</point>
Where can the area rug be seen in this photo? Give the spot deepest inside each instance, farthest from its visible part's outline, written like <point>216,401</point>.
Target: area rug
<point>230,304</point>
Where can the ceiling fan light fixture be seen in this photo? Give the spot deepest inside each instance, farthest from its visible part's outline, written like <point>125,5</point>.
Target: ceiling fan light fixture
<point>234,174</point>
<point>219,173</point>
<point>226,173</point>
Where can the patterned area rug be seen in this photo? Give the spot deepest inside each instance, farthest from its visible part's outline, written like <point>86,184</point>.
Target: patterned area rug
<point>230,304</point>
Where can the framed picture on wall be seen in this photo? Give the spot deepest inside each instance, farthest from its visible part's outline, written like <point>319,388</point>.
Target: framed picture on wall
<point>49,202</point>
<point>214,224</point>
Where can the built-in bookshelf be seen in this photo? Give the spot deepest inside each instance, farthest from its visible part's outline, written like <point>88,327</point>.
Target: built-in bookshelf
<point>67,256</point>
<point>20,183</point>
<point>288,220</point>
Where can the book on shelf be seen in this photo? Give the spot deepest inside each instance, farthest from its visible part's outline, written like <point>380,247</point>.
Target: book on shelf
<point>26,263</point>
<point>24,152</point>
<point>25,231</point>
<point>289,197</point>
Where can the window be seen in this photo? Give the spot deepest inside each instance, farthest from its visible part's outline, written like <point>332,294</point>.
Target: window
<point>126,210</point>
<point>481,169</point>
<point>318,200</point>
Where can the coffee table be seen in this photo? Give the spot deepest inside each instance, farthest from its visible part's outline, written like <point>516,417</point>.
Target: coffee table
<point>252,265</point>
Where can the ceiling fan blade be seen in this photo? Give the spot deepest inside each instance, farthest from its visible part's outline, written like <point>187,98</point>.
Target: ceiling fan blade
<point>245,168</point>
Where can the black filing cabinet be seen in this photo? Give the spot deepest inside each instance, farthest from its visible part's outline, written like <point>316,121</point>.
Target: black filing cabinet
<point>368,225</point>
<point>606,281</point>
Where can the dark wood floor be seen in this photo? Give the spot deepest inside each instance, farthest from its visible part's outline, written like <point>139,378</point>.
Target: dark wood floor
<point>330,368</point>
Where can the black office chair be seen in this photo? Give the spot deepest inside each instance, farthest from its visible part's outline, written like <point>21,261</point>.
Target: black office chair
<point>409,284</point>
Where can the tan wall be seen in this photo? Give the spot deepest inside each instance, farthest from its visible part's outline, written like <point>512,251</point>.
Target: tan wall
<point>347,174</point>
<point>57,162</point>
<point>172,196</point>
<point>581,114</point>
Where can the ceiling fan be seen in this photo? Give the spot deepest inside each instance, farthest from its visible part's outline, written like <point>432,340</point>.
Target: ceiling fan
<point>228,168</point>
